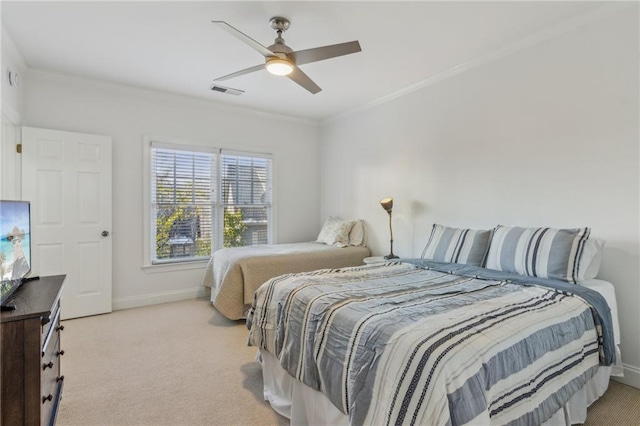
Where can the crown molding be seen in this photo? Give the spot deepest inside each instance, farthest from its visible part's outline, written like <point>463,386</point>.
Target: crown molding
<point>548,33</point>
<point>166,97</point>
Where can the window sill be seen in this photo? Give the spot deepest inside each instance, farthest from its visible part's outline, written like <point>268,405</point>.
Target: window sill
<point>175,266</point>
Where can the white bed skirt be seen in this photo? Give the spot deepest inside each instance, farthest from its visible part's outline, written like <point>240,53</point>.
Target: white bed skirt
<point>306,406</point>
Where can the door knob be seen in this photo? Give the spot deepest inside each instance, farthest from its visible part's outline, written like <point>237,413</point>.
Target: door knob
<point>105,233</point>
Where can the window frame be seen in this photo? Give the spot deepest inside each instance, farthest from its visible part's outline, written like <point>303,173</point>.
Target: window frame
<point>148,222</point>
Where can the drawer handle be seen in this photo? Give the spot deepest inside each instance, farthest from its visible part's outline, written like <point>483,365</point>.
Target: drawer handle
<point>60,353</point>
<point>60,379</point>
<point>47,398</point>
<point>45,366</point>
<point>46,320</point>
<point>60,328</point>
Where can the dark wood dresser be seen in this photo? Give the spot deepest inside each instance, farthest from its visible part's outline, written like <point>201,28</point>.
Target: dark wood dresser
<point>31,379</point>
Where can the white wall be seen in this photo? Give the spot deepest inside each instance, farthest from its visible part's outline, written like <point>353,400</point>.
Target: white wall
<point>547,136</point>
<point>127,114</point>
<point>12,96</point>
<point>11,108</point>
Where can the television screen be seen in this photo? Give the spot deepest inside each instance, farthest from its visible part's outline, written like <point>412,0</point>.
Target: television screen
<point>15,244</point>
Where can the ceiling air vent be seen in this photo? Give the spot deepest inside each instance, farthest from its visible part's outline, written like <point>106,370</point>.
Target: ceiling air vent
<point>227,90</point>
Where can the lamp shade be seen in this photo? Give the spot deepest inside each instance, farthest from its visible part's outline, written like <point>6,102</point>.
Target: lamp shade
<point>278,66</point>
<point>387,203</point>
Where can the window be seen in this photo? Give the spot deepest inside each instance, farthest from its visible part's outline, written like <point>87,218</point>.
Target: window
<point>198,207</point>
<point>246,199</point>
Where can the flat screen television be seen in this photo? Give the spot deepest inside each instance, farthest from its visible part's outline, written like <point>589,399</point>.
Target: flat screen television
<point>15,246</point>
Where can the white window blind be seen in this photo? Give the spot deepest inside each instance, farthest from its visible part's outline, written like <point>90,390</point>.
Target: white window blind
<point>182,203</point>
<point>186,201</point>
<point>246,189</point>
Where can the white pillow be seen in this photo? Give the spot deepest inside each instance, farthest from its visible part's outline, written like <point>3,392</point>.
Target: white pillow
<point>335,232</point>
<point>591,258</point>
<point>356,236</point>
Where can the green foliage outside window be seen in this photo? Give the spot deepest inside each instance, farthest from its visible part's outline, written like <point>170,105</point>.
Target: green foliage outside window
<point>234,228</point>
<point>203,247</point>
<point>171,218</point>
<point>166,221</point>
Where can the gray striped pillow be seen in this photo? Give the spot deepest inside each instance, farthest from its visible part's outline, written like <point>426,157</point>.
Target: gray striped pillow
<point>453,245</point>
<point>538,252</point>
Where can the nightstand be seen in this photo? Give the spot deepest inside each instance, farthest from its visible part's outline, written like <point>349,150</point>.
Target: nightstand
<point>374,259</point>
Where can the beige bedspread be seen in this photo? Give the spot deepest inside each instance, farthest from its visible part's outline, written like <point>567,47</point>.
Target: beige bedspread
<point>234,274</point>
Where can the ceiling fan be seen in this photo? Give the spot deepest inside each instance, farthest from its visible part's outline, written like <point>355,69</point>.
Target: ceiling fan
<point>280,59</point>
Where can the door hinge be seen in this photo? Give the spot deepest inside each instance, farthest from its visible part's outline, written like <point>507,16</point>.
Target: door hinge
<point>19,148</point>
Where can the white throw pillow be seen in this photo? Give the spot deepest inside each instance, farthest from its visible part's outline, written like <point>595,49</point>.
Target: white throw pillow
<point>356,236</point>
<point>589,265</point>
<point>335,232</point>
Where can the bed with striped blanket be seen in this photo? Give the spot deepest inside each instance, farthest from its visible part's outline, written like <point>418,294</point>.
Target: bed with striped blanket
<point>419,342</point>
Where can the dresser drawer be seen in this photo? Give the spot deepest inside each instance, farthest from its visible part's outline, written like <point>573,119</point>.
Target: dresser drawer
<point>51,330</point>
<point>51,380</point>
<point>49,410</point>
<point>51,356</point>
<point>49,383</point>
<point>49,320</point>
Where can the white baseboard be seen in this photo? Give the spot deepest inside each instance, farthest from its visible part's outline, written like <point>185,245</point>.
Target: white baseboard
<point>157,298</point>
<point>631,376</point>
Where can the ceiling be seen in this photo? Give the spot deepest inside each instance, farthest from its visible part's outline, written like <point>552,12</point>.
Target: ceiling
<point>173,46</point>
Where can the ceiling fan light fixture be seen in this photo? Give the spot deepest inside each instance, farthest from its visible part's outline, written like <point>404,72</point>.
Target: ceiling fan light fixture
<point>278,66</point>
<point>281,60</point>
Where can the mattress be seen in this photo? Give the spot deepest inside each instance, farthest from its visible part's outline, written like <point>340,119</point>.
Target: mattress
<point>234,274</point>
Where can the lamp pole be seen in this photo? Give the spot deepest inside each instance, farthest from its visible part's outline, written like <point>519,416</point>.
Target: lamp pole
<point>387,205</point>
<point>391,255</point>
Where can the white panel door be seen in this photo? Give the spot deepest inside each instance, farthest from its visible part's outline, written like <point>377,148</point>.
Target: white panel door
<point>67,178</point>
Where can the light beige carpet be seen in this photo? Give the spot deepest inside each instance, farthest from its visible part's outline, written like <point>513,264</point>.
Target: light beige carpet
<point>620,406</point>
<point>178,363</point>
<point>183,363</point>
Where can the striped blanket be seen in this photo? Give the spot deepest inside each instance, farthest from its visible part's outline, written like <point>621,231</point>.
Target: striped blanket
<point>402,343</point>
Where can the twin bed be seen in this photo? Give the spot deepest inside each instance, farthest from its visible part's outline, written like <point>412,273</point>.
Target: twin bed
<point>234,274</point>
<point>532,340</point>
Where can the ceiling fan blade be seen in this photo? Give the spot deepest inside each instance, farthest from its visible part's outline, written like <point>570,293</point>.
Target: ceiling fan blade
<point>245,38</point>
<point>242,72</point>
<point>303,80</point>
<point>325,52</point>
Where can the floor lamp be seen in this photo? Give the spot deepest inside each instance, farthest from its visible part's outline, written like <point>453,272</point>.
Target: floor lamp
<point>387,204</point>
